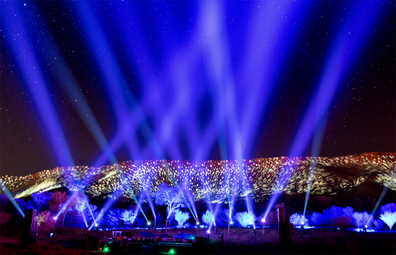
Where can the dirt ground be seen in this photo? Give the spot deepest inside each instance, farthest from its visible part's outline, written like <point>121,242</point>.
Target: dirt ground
<point>237,241</point>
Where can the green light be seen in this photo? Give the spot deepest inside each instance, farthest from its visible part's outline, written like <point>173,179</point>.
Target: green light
<point>106,249</point>
<point>172,251</point>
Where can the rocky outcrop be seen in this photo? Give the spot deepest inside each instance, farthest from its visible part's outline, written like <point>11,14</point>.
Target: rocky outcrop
<point>213,180</point>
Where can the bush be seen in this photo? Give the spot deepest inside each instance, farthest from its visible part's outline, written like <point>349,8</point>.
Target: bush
<point>390,207</point>
<point>3,202</point>
<point>244,218</point>
<point>379,224</point>
<point>113,218</point>
<point>389,218</point>
<point>270,220</point>
<point>128,217</point>
<point>348,211</point>
<point>334,216</point>
<point>344,221</point>
<point>362,219</point>
<point>222,217</point>
<point>58,198</point>
<point>40,201</point>
<point>298,219</point>
<point>317,219</point>
<point>45,223</point>
<point>181,217</point>
<point>207,217</point>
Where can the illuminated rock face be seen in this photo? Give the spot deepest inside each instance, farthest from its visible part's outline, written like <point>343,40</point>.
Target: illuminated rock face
<point>213,180</point>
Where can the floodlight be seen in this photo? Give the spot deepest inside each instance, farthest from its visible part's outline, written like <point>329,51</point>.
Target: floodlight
<point>106,249</point>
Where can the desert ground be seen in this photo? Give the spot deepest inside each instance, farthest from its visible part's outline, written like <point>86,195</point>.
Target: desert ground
<point>238,241</point>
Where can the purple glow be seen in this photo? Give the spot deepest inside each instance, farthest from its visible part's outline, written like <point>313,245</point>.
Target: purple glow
<point>339,58</point>
<point>6,192</point>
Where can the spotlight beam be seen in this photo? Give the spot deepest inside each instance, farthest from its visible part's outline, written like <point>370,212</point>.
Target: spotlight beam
<point>6,192</point>
<point>347,46</point>
<point>37,85</point>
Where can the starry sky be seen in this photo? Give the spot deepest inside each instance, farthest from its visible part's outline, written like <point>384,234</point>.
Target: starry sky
<point>200,79</point>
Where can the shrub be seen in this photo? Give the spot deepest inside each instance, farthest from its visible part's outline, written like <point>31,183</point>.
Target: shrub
<point>181,217</point>
<point>222,217</point>
<point>139,221</point>
<point>4,218</point>
<point>128,217</point>
<point>45,223</point>
<point>390,207</point>
<point>270,220</point>
<point>298,219</point>
<point>207,217</point>
<point>362,219</point>
<point>58,198</point>
<point>244,218</point>
<point>334,216</point>
<point>169,196</point>
<point>344,221</point>
<point>389,218</point>
<point>113,218</point>
<point>317,219</point>
<point>379,224</point>
<point>40,200</point>
<point>332,213</point>
<point>348,211</point>
<point>3,202</point>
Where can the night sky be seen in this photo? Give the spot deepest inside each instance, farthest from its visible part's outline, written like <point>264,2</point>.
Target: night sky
<point>193,80</point>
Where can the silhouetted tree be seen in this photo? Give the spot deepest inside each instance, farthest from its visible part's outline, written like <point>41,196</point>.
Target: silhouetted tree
<point>169,196</point>
<point>40,200</point>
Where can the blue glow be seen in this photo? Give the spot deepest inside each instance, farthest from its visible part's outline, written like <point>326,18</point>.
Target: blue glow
<point>202,65</point>
<point>384,190</point>
<point>341,55</point>
<point>10,197</point>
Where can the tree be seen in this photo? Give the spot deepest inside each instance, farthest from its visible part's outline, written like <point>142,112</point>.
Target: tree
<point>128,217</point>
<point>40,200</point>
<point>244,218</point>
<point>390,207</point>
<point>169,196</point>
<point>181,217</point>
<point>45,223</point>
<point>58,198</point>
<point>362,219</point>
<point>389,218</point>
<point>270,220</point>
<point>207,217</point>
<point>84,209</point>
<point>57,202</point>
<point>113,218</point>
<point>298,219</point>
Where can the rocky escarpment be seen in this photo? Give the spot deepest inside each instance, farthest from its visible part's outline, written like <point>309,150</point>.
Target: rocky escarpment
<point>213,180</point>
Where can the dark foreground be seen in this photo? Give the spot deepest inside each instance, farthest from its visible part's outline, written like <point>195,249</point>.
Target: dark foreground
<point>238,241</point>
